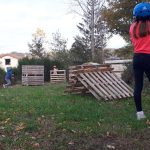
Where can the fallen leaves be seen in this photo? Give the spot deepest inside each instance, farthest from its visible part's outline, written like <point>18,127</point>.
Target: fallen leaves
<point>20,126</point>
<point>5,121</point>
<point>148,122</point>
<point>36,145</point>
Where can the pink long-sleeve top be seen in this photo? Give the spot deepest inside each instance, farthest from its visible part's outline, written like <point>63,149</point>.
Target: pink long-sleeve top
<point>141,44</point>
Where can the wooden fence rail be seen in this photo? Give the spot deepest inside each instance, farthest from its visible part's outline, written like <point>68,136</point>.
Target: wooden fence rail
<point>57,76</point>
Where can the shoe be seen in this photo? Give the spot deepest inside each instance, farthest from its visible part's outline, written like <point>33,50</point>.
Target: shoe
<point>4,86</point>
<point>140,115</point>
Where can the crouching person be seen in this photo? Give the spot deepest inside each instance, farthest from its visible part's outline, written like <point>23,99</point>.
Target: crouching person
<point>8,77</point>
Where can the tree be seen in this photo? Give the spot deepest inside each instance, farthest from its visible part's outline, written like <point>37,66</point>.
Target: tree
<point>93,28</point>
<point>59,49</point>
<point>118,16</point>
<point>79,53</point>
<point>125,52</point>
<point>37,46</point>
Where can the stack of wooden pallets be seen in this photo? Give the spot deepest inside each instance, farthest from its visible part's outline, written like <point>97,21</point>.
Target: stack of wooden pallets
<point>99,80</point>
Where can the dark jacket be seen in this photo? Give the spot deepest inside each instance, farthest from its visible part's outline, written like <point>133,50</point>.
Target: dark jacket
<point>8,73</point>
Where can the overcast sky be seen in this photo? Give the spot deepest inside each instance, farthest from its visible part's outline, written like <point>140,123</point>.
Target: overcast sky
<point>19,19</point>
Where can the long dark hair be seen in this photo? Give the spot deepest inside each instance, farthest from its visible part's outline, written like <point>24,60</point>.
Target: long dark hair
<point>143,27</point>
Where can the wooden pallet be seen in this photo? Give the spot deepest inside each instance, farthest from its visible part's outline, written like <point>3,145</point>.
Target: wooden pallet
<point>32,75</point>
<point>57,76</point>
<point>104,84</point>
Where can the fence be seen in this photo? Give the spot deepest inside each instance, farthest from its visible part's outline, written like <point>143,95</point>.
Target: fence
<point>57,76</point>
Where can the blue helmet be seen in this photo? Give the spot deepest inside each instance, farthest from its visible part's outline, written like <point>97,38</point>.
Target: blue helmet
<point>142,10</point>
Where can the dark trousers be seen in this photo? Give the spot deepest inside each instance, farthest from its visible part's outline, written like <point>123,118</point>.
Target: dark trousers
<point>141,65</point>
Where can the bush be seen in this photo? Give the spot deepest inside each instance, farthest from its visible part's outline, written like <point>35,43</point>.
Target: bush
<point>48,65</point>
<point>127,75</point>
<point>2,76</point>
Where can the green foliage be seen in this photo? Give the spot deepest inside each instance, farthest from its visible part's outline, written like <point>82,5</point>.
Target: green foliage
<point>2,76</point>
<point>127,75</point>
<point>36,47</point>
<point>79,53</point>
<point>59,49</point>
<point>48,65</point>
<point>125,52</point>
<point>118,16</point>
<point>93,29</point>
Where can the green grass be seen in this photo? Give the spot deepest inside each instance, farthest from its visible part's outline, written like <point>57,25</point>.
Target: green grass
<point>26,112</point>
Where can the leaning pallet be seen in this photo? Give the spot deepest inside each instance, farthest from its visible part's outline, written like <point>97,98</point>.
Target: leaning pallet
<point>32,75</point>
<point>102,83</point>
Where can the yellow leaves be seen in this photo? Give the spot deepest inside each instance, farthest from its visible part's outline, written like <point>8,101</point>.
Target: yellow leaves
<point>39,33</point>
<point>20,126</point>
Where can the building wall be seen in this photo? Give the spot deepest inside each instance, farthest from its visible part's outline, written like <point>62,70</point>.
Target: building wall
<point>118,65</point>
<point>13,62</point>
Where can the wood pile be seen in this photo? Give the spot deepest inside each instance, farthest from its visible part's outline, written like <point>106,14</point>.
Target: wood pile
<point>98,80</point>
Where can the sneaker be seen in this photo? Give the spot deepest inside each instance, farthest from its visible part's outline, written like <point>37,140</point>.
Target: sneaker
<point>140,115</point>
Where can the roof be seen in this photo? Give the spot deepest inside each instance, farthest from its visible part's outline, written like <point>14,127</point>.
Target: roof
<point>14,55</point>
<point>121,61</point>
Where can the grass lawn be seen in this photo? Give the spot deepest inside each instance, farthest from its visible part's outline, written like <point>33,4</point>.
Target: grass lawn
<point>46,118</point>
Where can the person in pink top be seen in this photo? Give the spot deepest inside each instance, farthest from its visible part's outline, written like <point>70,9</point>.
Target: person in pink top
<point>140,37</point>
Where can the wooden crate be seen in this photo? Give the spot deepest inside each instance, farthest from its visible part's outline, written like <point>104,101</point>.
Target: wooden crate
<point>57,76</point>
<point>32,75</point>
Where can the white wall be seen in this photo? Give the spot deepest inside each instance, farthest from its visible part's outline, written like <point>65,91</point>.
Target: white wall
<point>118,65</point>
<point>13,62</point>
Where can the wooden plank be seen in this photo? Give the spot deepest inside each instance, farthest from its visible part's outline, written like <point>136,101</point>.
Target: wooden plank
<point>114,85</point>
<point>120,82</point>
<point>91,85</point>
<point>107,85</point>
<point>92,70</point>
<point>89,88</point>
<point>118,86</point>
<point>103,86</point>
<point>99,86</point>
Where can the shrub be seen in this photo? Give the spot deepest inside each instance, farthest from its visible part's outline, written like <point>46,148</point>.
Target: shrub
<point>127,75</point>
<point>2,76</point>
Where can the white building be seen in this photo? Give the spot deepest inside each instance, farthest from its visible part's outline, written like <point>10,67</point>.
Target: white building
<point>10,60</point>
<point>118,65</point>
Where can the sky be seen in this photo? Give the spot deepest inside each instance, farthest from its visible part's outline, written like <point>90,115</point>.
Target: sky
<point>19,19</point>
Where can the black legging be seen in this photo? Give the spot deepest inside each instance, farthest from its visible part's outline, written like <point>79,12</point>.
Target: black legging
<point>141,64</point>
